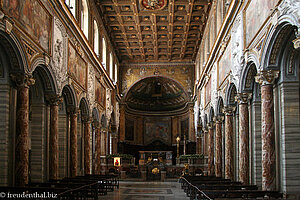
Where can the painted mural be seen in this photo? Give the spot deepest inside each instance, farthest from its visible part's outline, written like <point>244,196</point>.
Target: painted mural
<point>183,74</point>
<point>77,67</point>
<point>100,93</point>
<point>224,64</point>
<point>34,19</point>
<point>256,13</point>
<point>157,129</point>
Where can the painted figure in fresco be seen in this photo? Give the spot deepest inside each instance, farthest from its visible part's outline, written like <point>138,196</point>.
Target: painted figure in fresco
<point>13,7</point>
<point>153,3</point>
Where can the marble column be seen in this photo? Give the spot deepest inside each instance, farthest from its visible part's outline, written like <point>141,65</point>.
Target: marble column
<point>73,142</point>
<point>87,145</point>
<point>266,80</point>
<point>54,101</point>
<point>205,141</point>
<point>192,136</point>
<point>97,149</point>
<point>243,99</point>
<point>218,171</point>
<point>22,127</point>
<point>122,123</point>
<point>229,162</point>
<point>211,149</point>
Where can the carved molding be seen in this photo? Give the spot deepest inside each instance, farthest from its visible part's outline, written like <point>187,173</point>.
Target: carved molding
<point>22,80</point>
<point>267,77</point>
<point>243,98</point>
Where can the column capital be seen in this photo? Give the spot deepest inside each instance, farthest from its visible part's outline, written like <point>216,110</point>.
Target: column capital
<point>228,110</point>
<point>54,99</point>
<point>211,125</point>
<point>219,119</point>
<point>86,119</point>
<point>72,110</point>
<point>267,77</point>
<point>22,80</point>
<point>243,98</point>
<point>96,124</point>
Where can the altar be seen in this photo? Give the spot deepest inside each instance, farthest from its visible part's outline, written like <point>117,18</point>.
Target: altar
<point>153,164</point>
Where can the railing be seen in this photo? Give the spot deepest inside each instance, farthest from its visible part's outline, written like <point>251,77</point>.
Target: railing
<point>192,191</point>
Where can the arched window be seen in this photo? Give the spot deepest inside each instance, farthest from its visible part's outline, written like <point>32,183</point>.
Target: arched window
<point>116,73</point>
<point>96,38</point>
<point>72,6</point>
<point>104,52</point>
<point>111,61</point>
<point>84,18</point>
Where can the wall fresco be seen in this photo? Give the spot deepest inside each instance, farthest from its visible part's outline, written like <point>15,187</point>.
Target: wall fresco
<point>34,19</point>
<point>224,64</point>
<point>256,13</point>
<point>100,93</point>
<point>157,129</point>
<point>77,67</point>
<point>184,74</point>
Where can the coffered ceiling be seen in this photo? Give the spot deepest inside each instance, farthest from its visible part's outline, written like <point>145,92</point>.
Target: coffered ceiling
<point>155,30</point>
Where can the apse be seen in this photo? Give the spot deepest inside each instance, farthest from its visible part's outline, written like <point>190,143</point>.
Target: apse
<point>156,94</point>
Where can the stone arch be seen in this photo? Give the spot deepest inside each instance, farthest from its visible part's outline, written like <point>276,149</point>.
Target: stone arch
<point>230,94</point>
<point>220,106</point>
<point>277,40</point>
<point>49,84</point>
<point>84,107</point>
<point>69,96</point>
<point>248,78</point>
<point>211,114</point>
<point>103,122</point>
<point>95,115</point>
<point>12,45</point>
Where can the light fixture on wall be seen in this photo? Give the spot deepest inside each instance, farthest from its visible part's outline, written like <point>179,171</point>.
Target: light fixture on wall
<point>178,140</point>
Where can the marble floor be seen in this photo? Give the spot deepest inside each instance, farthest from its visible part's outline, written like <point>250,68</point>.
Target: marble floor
<point>133,190</point>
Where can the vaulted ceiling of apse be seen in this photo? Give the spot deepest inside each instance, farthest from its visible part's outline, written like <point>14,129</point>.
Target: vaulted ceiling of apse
<point>155,30</point>
<point>156,94</point>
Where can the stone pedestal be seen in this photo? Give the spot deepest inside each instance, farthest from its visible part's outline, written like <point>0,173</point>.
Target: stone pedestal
<point>244,137</point>
<point>266,79</point>
<point>229,163</point>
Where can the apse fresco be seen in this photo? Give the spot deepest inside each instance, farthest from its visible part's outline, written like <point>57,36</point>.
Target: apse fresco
<point>224,64</point>
<point>257,12</point>
<point>184,74</point>
<point>100,93</point>
<point>77,67</point>
<point>33,17</point>
<point>157,129</point>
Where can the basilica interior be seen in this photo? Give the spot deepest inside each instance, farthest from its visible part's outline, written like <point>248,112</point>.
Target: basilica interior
<point>150,90</point>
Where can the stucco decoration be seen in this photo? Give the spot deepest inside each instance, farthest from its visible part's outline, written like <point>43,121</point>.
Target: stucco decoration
<point>91,86</point>
<point>59,60</point>
<point>213,88</point>
<point>117,115</point>
<point>108,104</point>
<point>238,59</point>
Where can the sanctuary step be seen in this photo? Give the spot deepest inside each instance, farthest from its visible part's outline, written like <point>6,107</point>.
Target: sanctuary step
<point>211,187</point>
